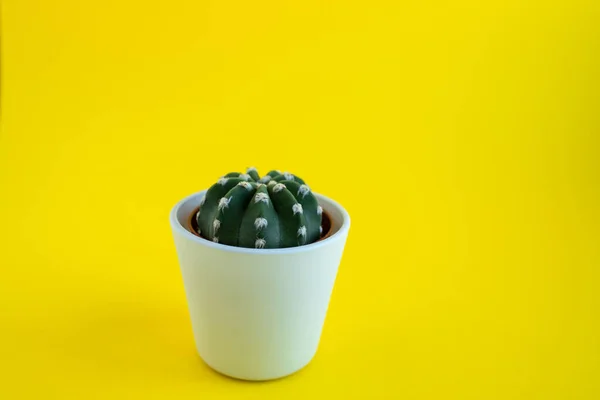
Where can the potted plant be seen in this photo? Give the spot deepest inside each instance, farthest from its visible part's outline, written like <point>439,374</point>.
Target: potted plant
<point>259,257</point>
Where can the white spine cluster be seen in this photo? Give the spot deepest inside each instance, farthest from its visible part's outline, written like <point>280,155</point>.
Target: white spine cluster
<point>260,243</point>
<point>302,231</point>
<point>264,197</point>
<point>260,223</point>
<point>297,208</point>
<point>303,190</point>
<point>245,185</point>
<point>278,188</point>
<point>224,202</point>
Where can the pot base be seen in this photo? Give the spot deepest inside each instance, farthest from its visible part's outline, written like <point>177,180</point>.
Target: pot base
<point>256,379</point>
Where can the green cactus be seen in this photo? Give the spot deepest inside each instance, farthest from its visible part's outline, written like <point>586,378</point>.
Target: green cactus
<point>275,211</point>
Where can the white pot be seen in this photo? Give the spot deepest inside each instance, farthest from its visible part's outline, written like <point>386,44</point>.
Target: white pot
<point>257,314</point>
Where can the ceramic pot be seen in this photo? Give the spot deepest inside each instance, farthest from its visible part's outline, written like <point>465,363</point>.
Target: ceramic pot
<point>257,314</point>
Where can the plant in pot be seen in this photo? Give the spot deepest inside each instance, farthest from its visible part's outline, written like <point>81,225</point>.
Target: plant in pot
<point>259,257</point>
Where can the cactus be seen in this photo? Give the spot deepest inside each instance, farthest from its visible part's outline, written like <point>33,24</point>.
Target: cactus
<point>275,211</point>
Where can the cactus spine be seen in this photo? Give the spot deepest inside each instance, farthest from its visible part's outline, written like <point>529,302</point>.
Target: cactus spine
<point>275,211</point>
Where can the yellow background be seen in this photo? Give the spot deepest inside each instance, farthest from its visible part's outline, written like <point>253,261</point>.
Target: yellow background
<point>462,137</point>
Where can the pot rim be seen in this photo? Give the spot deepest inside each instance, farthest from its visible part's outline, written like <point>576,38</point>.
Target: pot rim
<point>335,235</point>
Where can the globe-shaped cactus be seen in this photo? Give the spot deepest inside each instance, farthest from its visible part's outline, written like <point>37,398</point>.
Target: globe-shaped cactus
<point>275,211</point>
